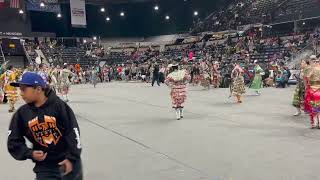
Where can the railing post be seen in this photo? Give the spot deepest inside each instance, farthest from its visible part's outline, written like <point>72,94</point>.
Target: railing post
<point>2,54</point>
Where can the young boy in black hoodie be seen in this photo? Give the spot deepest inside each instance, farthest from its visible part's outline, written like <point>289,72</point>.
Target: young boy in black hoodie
<point>50,125</point>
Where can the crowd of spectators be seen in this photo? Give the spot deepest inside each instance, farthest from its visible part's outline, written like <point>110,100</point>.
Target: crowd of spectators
<point>138,63</point>
<point>213,59</point>
<point>240,13</point>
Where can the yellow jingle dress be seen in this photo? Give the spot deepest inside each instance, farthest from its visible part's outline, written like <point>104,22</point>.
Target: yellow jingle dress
<point>10,91</point>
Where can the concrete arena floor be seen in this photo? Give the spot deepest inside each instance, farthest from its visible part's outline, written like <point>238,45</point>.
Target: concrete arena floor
<point>129,132</point>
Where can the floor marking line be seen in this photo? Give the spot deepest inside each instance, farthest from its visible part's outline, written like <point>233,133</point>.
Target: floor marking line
<point>143,145</point>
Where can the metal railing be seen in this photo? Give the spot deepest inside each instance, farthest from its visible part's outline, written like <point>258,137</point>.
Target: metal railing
<point>2,54</point>
<point>303,53</point>
<point>27,54</point>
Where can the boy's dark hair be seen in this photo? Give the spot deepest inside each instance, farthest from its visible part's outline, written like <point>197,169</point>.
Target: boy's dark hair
<point>307,62</point>
<point>46,89</point>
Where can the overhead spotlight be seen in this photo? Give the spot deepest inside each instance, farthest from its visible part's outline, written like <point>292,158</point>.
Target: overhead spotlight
<point>21,11</point>
<point>41,4</point>
<point>94,38</point>
<point>108,19</point>
<point>156,7</point>
<point>122,14</point>
<point>84,41</point>
<point>102,9</point>
<point>59,15</point>
<point>195,13</point>
<point>167,17</point>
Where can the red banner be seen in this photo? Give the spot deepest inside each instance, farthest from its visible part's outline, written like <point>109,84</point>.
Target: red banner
<point>2,4</point>
<point>15,4</point>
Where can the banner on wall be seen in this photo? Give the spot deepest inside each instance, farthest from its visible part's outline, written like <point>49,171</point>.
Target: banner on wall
<point>14,34</point>
<point>50,5</point>
<point>15,4</point>
<point>78,13</point>
<point>2,4</point>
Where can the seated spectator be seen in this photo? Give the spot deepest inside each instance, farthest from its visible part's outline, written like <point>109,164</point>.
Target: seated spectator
<point>280,80</point>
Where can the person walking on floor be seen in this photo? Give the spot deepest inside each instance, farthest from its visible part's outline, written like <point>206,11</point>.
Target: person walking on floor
<point>299,93</point>
<point>313,92</point>
<point>10,92</point>
<point>156,75</point>
<point>238,87</point>
<point>65,74</point>
<point>257,81</point>
<point>94,76</point>
<point>178,80</point>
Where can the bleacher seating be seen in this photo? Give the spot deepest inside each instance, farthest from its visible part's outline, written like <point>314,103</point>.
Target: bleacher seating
<point>258,11</point>
<point>117,57</point>
<point>226,50</point>
<point>71,55</point>
<point>30,49</point>
<point>261,10</point>
<point>297,9</point>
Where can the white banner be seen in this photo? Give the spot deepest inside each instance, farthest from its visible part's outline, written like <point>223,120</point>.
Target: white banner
<point>78,13</point>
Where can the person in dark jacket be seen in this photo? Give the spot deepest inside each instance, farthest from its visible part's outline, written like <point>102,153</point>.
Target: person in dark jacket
<point>156,75</point>
<point>51,126</point>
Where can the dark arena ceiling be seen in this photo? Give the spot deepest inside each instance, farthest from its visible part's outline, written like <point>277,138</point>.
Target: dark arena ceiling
<point>117,1</point>
<point>102,2</point>
<point>140,20</point>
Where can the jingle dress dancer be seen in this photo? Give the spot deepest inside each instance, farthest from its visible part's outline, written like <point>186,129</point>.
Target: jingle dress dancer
<point>205,76</point>
<point>307,105</point>
<point>216,75</point>
<point>196,75</point>
<point>238,88</point>
<point>257,80</point>
<point>299,93</point>
<point>178,80</point>
<point>313,94</point>
<point>11,92</point>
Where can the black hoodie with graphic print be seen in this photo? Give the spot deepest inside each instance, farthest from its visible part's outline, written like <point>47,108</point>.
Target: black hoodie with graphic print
<point>51,128</point>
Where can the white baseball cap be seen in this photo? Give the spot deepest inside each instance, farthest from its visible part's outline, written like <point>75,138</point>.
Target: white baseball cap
<point>313,57</point>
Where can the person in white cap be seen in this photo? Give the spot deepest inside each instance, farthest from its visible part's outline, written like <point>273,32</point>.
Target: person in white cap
<point>313,57</point>
<point>177,80</point>
<point>257,81</point>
